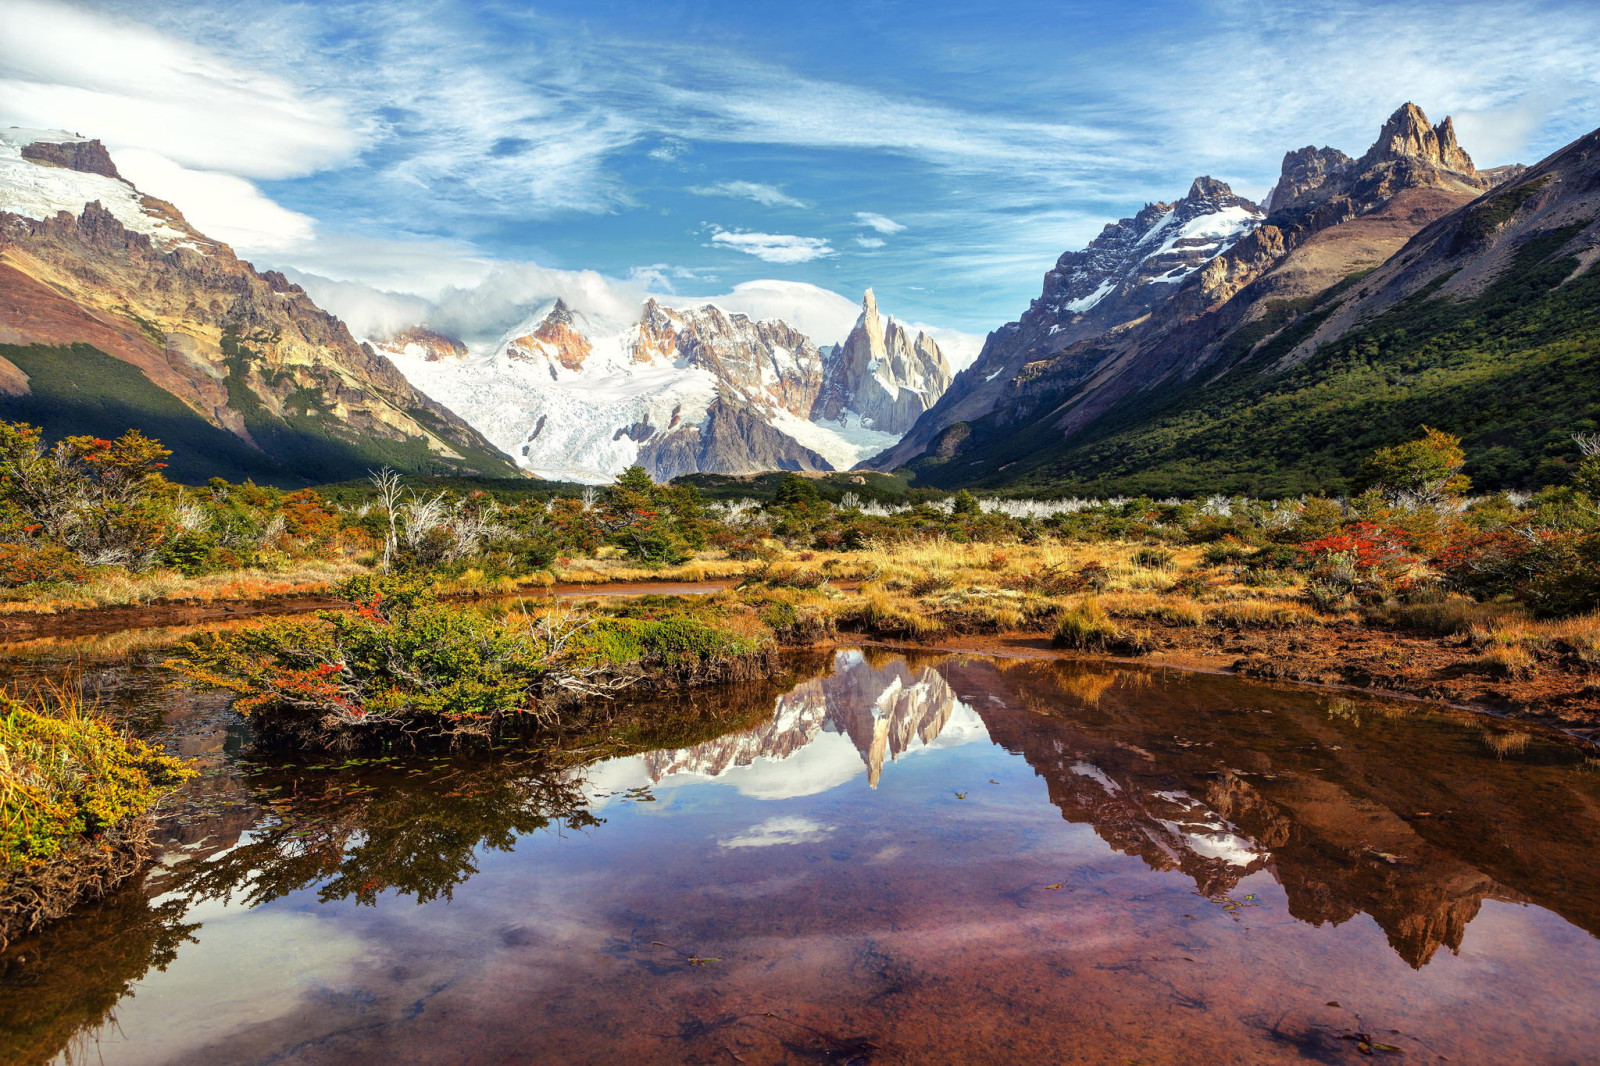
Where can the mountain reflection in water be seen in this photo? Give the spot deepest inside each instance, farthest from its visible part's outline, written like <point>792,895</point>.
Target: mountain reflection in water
<point>930,859</point>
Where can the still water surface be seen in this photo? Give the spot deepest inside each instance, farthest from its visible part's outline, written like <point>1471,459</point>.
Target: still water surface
<point>927,860</point>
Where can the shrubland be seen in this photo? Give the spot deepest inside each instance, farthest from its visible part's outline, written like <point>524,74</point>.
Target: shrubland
<point>89,521</point>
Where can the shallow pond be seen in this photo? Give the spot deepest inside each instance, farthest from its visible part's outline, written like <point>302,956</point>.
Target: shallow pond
<point>894,860</point>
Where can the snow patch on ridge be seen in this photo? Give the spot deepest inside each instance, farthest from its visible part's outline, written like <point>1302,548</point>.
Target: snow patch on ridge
<point>42,191</point>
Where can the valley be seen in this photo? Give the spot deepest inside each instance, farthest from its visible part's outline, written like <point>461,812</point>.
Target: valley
<point>868,534</point>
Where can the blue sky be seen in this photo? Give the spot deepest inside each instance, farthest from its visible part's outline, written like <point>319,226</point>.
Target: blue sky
<point>464,162</point>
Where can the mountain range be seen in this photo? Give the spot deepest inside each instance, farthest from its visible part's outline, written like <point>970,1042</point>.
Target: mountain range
<point>1207,344</point>
<point>115,313</point>
<point>1212,344</point>
<point>681,391</point>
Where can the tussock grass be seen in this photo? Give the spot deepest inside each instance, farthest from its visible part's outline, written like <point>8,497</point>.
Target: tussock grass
<point>1449,614</point>
<point>1580,636</point>
<point>611,570</point>
<point>1088,627</point>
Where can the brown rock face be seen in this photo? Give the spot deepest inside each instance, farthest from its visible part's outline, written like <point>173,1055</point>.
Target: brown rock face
<point>1304,169</point>
<point>172,312</point>
<point>90,157</point>
<point>1329,215</point>
<point>731,440</point>
<point>557,336</point>
<point>436,347</point>
<point>1408,135</point>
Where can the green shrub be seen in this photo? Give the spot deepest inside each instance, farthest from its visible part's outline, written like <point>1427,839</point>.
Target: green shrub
<point>400,662</point>
<point>67,775</point>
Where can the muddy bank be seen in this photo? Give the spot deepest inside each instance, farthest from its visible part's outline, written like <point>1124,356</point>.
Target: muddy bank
<point>88,621</point>
<point>1559,691</point>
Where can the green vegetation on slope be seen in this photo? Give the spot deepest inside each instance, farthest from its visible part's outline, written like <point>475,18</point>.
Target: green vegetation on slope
<point>79,389</point>
<point>305,439</point>
<point>1513,371</point>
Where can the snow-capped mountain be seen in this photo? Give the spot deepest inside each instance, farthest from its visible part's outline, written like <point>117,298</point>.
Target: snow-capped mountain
<point>681,390</point>
<point>1159,296</point>
<point>1123,272</point>
<point>882,375</point>
<point>237,370</point>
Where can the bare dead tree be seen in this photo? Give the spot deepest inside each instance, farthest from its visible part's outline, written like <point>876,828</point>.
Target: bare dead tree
<point>387,482</point>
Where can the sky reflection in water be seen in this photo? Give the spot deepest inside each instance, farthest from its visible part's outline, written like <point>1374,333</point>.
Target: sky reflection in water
<point>930,860</point>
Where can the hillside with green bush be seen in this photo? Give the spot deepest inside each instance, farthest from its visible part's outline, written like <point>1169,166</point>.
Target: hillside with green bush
<point>1514,371</point>
<point>80,390</point>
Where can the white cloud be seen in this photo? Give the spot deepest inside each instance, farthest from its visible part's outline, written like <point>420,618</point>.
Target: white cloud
<point>821,314</point>
<point>668,150</point>
<point>223,206</point>
<point>785,829</point>
<point>132,86</point>
<point>370,313</point>
<point>1329,72</point>
<point>761,193</point>
<point>773,247</point>
<point>486,300</point>
<point>870,242</point>
<point>960,348</point>
<point>881,223</point>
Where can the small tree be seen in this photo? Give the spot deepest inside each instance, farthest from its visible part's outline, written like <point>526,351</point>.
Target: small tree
<point>793,490</point>
<point>965,503</point>
<point>1427,470</point>
<point>99,499</point>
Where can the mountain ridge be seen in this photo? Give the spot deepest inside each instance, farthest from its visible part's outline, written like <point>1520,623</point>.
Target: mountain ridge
<point>1485,323</point>
<point>247,352</point>
<point>682,390</point>
<point>1329,220</point>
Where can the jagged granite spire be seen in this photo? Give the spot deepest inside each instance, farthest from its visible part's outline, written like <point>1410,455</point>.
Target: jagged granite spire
<point>882,373</point>
<point>1409,135</point>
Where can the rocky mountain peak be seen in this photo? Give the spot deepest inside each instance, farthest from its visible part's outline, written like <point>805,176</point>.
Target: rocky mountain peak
<point>1208,189</point>
<point>882,374</point>
<point>557,340</point>
<point>420,342</point>
<point>88,157</point>
<point>1409,135</point>
<point>1305,169</point>
<point>559,315</point>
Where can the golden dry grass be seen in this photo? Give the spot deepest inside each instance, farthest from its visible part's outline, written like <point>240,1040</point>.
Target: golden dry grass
<point>125,590</point>
<point>611,570</point>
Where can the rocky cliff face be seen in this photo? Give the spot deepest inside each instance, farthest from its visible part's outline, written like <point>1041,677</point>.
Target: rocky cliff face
<point>684,391</point>
<point>1461,253</point>
<point>1068,360</point>
<point>881,375</point>
<point>246,352</point>
<point>1134,266</point>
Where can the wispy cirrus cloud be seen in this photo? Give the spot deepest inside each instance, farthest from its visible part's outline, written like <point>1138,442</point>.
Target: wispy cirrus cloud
<point>516,133</point>
<point>755,191</point>
<point>881,223</point>
<point>773,247</point>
